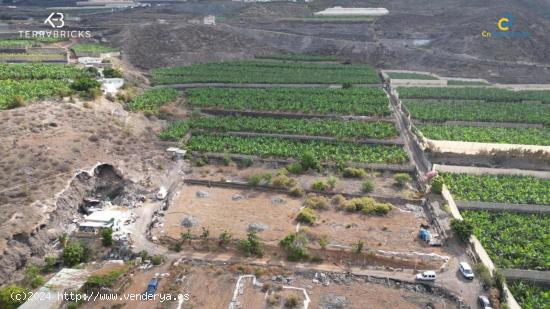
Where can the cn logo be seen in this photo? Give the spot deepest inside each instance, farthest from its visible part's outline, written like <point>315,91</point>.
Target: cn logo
<point>55,20</point>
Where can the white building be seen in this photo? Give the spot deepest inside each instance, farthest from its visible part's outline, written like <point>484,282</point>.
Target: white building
<point>340,11</point>
<point>111,85</point>
<point>98,220</point>
<point>209,20</point>
<point>90,61</point>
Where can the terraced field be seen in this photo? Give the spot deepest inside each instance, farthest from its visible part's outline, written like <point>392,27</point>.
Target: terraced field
<point>255,71</point>
<point>513,240</point>
<point>530,296</point>
<point>525,136</point>
<point>499,189</point>
<point>355,101</point>
<point>400,75</point>
<point>474,93</point>
<point>354,129</point>
<point>438,110</point>
<point>340,152</point>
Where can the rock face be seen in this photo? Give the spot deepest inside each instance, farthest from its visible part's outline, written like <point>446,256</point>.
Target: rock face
<point>103,181</point>
<point>189,222</point>
<point>257,227</point>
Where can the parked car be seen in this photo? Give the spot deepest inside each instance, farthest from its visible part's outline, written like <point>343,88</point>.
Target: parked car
<point>484,302</point>
<point>426,276</point>
<point>466,270</point>
<point>152,288</point>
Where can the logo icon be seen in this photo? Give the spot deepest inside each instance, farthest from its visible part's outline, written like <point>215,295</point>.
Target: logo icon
<point>505,22</point>
<point>55,20</point>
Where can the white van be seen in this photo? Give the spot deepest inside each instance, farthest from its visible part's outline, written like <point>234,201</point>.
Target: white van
<point>426,276</point>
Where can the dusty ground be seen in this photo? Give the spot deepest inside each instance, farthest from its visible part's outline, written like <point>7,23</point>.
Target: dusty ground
<point>44,144</point>
<point>218,212</point>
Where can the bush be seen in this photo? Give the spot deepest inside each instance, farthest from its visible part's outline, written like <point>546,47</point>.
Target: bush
<point>401,179</point>
<point>251,245</point>
<point>295,245</point>
<point>32,277</point>
<point>157,260</point>
<point>7,299</point>
<point>437,184</point>
<point>73,254</point>
<point>338,200</point>
<point>316,202</point>
<point>367,186</point>
<point>309,161</point>
<point>297,192</point>
<point>331,182</point>
<point>319,185</point>
<point>49,263</point>
<point>247,162</point>
<point>260,178</point>
<point>306,215</point>
<point>85,84</point>
<point>112,73</point>
<point>463,229</point>
<point>283,181</point>
<point>351,172</point>
<point>367,206</point>
<point>18,101</point>
<point>291,302</point>
<point>107,237</point>
<point>295,168</point>
<point>484,275</point>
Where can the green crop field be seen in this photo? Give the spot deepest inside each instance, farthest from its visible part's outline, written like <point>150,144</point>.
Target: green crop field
<point>151,100</point>
<point>474,93</point>
<point>314,127</point>
<point>340,152</point>
<point>499,188</point>
<point>444,110</point>
<point>524,136</point>
<point>40,71</point>
<point>34,57</point>
<point>530,296</point>
<point>513,240</point>
<point>354,101</point>
<point>262,72</point>
<point>92,48</point>
<point>399,75</point>
<point>29,89</point>
<point>453,82</point>
<point>297,57</point>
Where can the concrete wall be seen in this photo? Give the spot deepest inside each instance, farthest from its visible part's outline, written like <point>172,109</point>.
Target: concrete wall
<point>472,148</point>
<point>490,171</point>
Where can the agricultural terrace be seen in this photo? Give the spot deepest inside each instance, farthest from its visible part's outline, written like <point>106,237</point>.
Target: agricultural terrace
<point>499,188</point>
<point>297,57</point>
<point>21,43</point>
<point>338,152</point>
<point>453,82</point>
<point>513,240</point>
<point>262,72</point>
<point>34,57</point>
<point>530,296</point>
<point>20,82</point>
<point>354,101</point>
<point>436,110</point>
<point>525,136</point>
<point>92,48</point>
<point>352,129</point>
<point>150,101</point>
<point>474,93</point>
<point>405,75</point>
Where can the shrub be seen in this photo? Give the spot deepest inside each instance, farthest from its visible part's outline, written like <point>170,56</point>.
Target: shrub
<point>306,215</point>
<point>338,200</point>
<point>295,245</point>
<point>295,168</point>
<point>401,179</point>
<point>316,202</point>
<point>157,259</point>
<point>347,85</point>
<point>32,277</point>
<point>367,206</point>
<point>85,84</point>
<point>247,162</point>
<point>309,161</point>
<point>7,299</point>
<point>226,160</point>
<point>351,172</point>
<point>107,237</point>
<point>331,182</point>
<point>283,181</point>
<point>291,302</point>
<point>112,73</point>
<point>484,275</point>
<point>73,254</point>
<point>437,184</point>
<point>463,229</point>
<point>49,263</point>
<point>224,238</point>
<point>18,101</point>
<point>367,186</point>
<point>319,185</point>
<point>251,245</point>
<point>297,192</point>
<point>260,178</point>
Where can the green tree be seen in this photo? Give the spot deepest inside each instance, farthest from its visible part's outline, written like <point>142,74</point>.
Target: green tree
<point>112,73</point>
<point>7,298</point>
<point>463,229</point>
<point>251,245</point>
<point>295,245</point>
<point>85,84</point>
<point>107,237</point>
<point>72,254</point>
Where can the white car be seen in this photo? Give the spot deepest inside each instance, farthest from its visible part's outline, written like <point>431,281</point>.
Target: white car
<point>466,270</point>
<point>426,276</point>
<point>484,302</point>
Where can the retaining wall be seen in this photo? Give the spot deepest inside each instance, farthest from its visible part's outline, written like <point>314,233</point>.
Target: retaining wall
<point>235,85</point>
<point>541,278</point>
<point>490,171</point>
<point>499,207</point>
<point>474,148</point>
